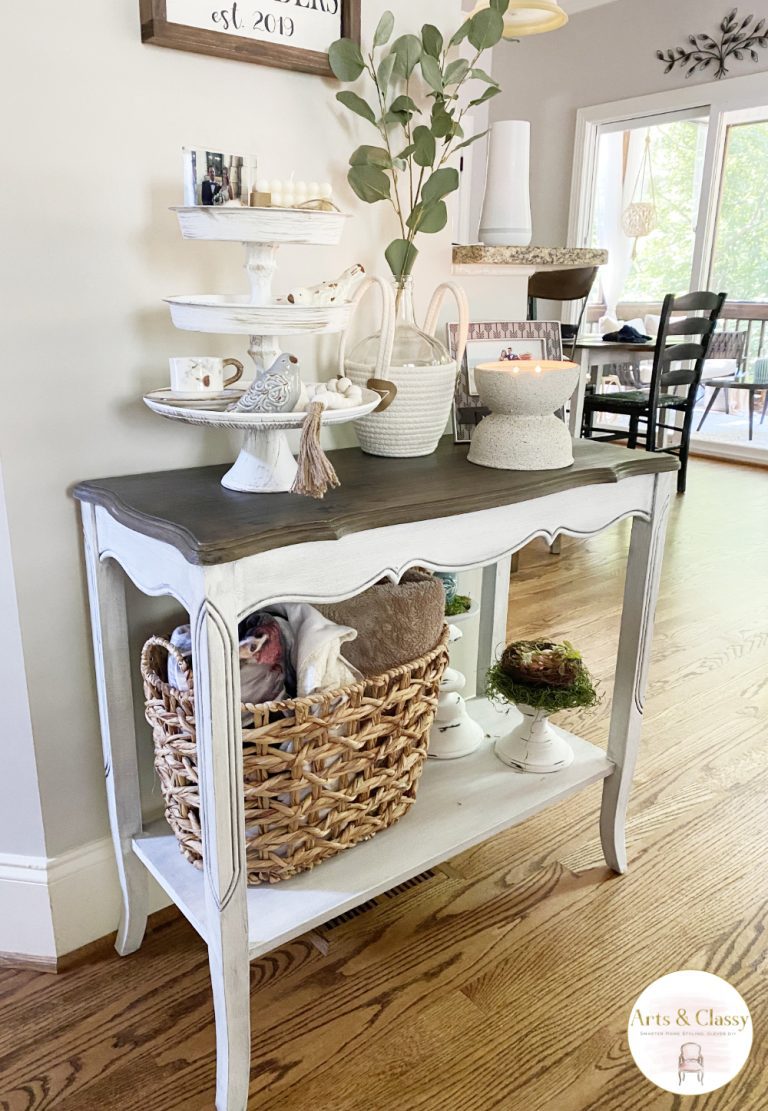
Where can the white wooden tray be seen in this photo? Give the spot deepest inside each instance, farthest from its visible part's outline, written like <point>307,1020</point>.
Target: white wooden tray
<point>260,225</point>
<point>233,314</point>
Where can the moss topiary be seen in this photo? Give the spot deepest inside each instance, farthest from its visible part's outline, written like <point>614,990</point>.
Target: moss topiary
<point>460,603</point>
<point>542,674</point>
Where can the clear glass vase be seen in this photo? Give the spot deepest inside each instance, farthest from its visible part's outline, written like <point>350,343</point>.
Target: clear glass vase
<point>412,347</point>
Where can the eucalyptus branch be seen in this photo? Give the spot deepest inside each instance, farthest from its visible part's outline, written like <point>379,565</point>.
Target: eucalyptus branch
<point>382,128</point>
<point>380,172</point>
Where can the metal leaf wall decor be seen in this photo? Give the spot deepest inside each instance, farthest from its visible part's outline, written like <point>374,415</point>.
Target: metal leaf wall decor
<point>739,38</point>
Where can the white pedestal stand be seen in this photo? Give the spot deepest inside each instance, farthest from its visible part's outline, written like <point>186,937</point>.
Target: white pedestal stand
<point>454,732</point>
<point>534,745</point>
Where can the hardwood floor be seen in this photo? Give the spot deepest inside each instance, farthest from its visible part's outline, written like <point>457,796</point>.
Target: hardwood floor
<point>505,980</point>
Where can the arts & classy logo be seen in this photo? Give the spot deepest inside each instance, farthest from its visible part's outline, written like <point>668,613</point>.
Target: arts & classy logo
<point>690,1032</point>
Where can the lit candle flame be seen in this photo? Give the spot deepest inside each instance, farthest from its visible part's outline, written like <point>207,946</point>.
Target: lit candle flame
<point>538,370</point>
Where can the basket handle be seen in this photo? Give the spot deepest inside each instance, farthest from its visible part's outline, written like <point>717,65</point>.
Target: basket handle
<point>387,325</point>
<point>433,312</point>
<point>160,642</point>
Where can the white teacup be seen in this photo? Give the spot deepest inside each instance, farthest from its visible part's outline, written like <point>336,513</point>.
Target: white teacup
<point>202,374</point>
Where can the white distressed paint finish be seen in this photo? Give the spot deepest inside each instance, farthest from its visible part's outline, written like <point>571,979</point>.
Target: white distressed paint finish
<point>460,803</point>
<point>109,627</point>
<point>238,224</point>
<point>217,901</point>
<point>216,662</point>
<point>233,314</point>
<point>641,592</point>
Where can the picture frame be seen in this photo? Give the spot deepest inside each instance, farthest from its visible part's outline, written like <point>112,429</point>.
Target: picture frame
<point>487,342</point>
<point>257,31</point>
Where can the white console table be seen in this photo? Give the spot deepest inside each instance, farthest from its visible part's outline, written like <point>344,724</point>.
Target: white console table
<point>223,554</point>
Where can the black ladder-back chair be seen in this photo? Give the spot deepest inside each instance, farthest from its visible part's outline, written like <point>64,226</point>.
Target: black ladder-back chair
<point>563,285</point>
<point>648,405</point>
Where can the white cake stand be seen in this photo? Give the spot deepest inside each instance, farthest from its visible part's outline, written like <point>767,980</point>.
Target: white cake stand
<point>265,464</point>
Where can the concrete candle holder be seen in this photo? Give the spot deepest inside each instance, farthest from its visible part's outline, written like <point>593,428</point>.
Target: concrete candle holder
<point>522,433</point>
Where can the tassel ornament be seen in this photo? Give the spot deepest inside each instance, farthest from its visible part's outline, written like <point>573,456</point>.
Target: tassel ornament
<point>316,474</point>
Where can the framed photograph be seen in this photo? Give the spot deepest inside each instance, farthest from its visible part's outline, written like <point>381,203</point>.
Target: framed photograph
<point>492,342</point>
<point>290,34</point>
<point>213,177</point>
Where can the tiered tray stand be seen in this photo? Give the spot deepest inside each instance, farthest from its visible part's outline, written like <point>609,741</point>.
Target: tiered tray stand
<point>265,463</point>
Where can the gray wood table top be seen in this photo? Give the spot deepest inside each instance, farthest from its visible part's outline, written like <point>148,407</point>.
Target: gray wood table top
<point>190,510</point>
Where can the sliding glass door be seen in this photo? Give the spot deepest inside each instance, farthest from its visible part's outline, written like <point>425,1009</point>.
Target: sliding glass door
<point>698,159</point>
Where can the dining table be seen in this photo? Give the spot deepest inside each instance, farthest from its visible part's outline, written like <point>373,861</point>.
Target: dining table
<point>593,350</point>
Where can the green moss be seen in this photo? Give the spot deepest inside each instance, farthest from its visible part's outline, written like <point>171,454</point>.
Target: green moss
<point>500,686</point>
<point>460,603</point>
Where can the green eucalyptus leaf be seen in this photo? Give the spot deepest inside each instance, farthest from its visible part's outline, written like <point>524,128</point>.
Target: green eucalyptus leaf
<point>500,5</point>
<point>440,184</point>
<point>431,72</point>
<point>431,40</point>
<point>430,218</point>
<point>425,148</point>
<point>472,139</point>
<point>442,122</point>
<point>400,256</point>
<point>461,34</point>
<point>346,59</point>
<point>371,156</point>
<point>456,71</point>
<point>408,51</point>
<point>404,103</point>
<point>385,71</point>
<point>400,164</point>
<point>486,29</point>
<point>491,91</point>
<point>370,183</point>
<point>384,30</point>
<point>481,75</point>
<point>356,104</point>
<point>408,151</point>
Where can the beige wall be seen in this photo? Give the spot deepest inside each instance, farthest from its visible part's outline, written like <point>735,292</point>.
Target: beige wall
<point>92,164</point>
<point>602,55</point>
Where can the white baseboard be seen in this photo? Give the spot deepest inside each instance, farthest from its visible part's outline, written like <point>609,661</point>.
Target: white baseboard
<point>50,906</point>
<point>757,455</point>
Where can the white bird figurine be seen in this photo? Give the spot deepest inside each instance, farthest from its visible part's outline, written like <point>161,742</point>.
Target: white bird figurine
<point>275,390</point>
<point>329,293</point>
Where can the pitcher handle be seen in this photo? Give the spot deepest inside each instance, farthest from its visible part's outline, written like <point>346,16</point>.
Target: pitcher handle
<point>387,325</point>
<point>433,314</point>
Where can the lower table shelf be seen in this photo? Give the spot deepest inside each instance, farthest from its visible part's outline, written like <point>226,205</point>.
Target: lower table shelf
<point>460,803</point>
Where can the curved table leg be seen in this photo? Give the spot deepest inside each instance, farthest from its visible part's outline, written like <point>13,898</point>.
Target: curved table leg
<point>220,755</point>
<point>640,594</point>
<point>109,626</point>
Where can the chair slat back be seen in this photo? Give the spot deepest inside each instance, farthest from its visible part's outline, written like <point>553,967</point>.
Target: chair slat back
<point>665,375</point>
<point>689,326</point>
<point>699,301</point>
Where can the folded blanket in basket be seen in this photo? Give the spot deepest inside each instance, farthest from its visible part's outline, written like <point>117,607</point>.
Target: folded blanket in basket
<point>287,651</point>
<point>395,622</point>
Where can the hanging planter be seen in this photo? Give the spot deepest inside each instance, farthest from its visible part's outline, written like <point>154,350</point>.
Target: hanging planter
<point>641,216</point>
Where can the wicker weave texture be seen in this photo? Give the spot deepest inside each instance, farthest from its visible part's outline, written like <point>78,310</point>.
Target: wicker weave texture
<point>321,773</point>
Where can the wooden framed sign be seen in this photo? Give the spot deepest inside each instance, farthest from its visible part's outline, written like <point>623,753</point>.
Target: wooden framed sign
<point>291,34</point>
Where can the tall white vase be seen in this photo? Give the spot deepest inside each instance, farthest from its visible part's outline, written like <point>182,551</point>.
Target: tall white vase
<point>506,219</point>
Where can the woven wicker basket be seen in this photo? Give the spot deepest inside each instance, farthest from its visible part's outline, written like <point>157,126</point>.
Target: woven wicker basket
<point>322,773</point>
